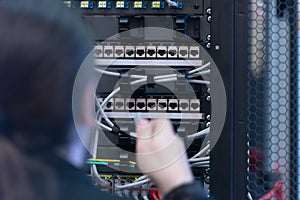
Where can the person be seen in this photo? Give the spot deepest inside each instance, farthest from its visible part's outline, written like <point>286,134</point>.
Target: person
<point>41,48</point>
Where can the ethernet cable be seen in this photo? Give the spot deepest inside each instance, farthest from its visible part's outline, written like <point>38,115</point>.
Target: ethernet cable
<point>108,72</point>
<point>201,73</point>
<point>199,159</point>
<point>164,76</point>
<point>199,134</point>
<point>133,184</point>
<point>202,151</point>
<point>200,82</point>
<point>201,68</point>
<point>94,171</point>
<point>117,74</point>
<point>103,114</point>
<point>200,164</point>
<point>141,178</point>
<point>172,3</point>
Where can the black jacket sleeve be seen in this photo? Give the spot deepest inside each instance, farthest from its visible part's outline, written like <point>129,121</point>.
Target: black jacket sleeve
<point>190,191</point>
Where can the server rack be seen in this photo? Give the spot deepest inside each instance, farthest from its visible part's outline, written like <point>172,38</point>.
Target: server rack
<point>253,44</point>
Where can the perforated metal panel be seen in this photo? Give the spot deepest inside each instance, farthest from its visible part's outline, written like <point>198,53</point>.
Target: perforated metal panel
<point>272,100</point>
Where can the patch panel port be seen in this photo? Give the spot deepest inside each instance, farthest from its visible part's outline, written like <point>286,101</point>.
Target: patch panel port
<point>194,52</point>
<point>194,105</point>
<point>140,51</point>
<point>183,52</point>
<point>140,104</point>
<point>151,104</point>
<point>98,51</point>
<point>162,104</point>
<point>151,52</point>
<point>161,52</point>
<point>172,52</point>
<point>129,51</point>
<point>184,105</point>
<point>173,105</point>
<point>109,105</point>
<point>130,104</point>
<point>119,104</point>
<point>119,51</point>
<point>108,51</point>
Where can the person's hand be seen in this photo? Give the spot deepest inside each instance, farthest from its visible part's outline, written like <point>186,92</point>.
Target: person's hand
<point>161,154</point>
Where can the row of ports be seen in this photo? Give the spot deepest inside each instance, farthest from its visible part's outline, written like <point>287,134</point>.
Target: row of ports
<point>120,4</point>
<point>141,104</point>
<point>147,51</point>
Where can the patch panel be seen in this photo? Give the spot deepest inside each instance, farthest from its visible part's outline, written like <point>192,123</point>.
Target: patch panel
<point>151,104</point>
<point>184,105</point>
<point>183,52</point>
<point>86,4</point>
<point>194,105</point>
<point>161,51</point>
<point>119,52</point>
<point>140,104</point>
<point>157,5</point>
<point>139,5</point>
<point>130,104</point>
<point>173,105</point>
<point>162,104</point>
<point>119,104</point>
<point>194,52</point>
<point>151,52</point>
<point>122,4</point>
<point>129,51</point>
<point>140,52</point>
<point>108,51</point>
<point>172,52</point>
<point>98,51</point>
<point>104,4</point>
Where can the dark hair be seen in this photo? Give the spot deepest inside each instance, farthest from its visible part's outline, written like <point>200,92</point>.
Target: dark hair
<point>41,48</point>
